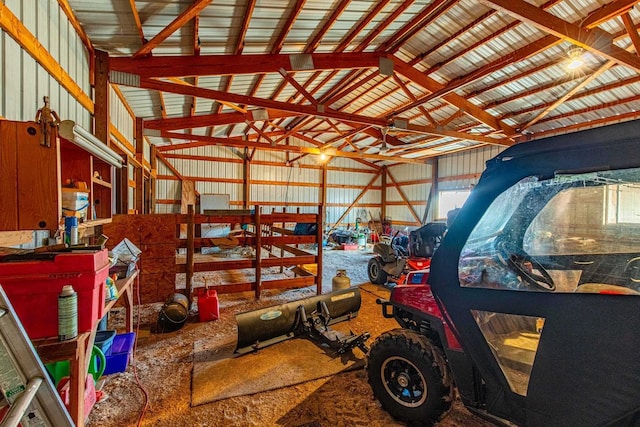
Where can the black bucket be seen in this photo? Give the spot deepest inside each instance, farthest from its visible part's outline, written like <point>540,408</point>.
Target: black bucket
<point>173,314</point>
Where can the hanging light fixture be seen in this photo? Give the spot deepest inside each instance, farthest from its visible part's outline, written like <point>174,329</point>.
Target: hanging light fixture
<point>576,58</point>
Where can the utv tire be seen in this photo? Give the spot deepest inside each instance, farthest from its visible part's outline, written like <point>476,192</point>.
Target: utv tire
<point>376,274</point>
<point>410,378</point>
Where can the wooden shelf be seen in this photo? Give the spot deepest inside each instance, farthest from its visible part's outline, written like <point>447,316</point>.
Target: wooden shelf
<point>94,223</point>
<point>101,182</point>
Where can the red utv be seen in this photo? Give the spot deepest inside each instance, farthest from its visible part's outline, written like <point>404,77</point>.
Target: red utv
<point>532,309</point>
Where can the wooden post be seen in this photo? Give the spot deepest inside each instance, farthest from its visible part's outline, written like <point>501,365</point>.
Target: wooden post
<point>101,97</point>
<point>122,180</point>
<point>323,192</point>
<point>190,249</point>
<point>258,226</point>
<point>319,255</point>
<point>383,195</point>
<point>433,193</point>
<point>247,179</point>
<point>139,173</point>
<point>152,178</point>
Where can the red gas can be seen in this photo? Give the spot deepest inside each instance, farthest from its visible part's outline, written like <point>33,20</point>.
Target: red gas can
<point>208,307</point>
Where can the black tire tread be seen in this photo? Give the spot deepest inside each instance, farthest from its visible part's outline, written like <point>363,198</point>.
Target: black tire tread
<point>382,277</point>
<point>421,346</point>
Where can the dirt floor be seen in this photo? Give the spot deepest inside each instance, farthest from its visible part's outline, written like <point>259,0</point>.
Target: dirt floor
<point>163,364</point>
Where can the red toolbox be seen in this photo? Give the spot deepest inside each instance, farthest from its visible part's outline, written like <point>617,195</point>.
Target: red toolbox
<point>34,282</point>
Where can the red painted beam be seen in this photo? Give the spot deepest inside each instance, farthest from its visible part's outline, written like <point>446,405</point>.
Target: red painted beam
<point>216,65</point>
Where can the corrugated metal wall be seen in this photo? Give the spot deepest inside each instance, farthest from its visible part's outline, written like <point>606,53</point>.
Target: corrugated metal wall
<point>23,82</point>
<point>415,193</point>
<point>460,170</point>
<point>121,119</point>
<point>276,186</point>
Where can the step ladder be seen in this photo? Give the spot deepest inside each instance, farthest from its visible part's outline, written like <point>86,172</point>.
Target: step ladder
<point>27,395</point>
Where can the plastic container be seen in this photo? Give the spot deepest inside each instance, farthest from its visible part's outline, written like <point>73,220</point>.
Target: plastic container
<point>33,286</point>
<point>104,340</point>
<point>89,394</point>
<point>208,306</point>
<point>75,202</point>
<point>117,357</point>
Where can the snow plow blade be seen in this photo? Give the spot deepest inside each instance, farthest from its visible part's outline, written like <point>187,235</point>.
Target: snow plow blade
<point>270,325</point>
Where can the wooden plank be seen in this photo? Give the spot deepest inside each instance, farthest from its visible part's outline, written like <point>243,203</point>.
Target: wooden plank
<point>258,246</point>
<point>9,181</point>
<point>288,217</point>
<point>296,282</point>
<point>288,261</point>
<point>138,171</point>
<point>292,250</point>
<point>234,287</point>
<point>319,257</point>
<point>13,238</point>
<point>190,250</point>
<point>157,228</point>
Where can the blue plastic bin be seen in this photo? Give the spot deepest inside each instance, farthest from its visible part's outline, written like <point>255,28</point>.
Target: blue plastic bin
<point>104,340</point>
<point>117,357</point>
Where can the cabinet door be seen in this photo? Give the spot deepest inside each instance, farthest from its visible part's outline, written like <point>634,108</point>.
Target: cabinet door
<point>30,188</point>
<point>9,176</point>
<point>38,179</point>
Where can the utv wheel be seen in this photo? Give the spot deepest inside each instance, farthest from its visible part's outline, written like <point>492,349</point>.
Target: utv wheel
<point>376,274</point>
<point>409,377</point>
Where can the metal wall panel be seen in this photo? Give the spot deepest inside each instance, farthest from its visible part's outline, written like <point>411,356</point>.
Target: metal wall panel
<point>463,165</point>
<point>121,118</point>
<point>23,82</point>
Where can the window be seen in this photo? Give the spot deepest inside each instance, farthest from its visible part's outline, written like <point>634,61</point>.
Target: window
<point>450,200</point>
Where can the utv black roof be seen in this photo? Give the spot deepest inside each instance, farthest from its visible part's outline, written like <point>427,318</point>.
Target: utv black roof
<point>621,141</point>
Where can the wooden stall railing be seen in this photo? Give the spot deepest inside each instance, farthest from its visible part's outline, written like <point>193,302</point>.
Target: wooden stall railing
<point>158,236</point>
<point>263,232</point>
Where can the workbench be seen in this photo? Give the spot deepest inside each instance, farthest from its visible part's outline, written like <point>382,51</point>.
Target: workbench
<point>78,350</point>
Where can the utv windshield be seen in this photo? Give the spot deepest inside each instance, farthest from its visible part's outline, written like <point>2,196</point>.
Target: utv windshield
<point>559,234</point>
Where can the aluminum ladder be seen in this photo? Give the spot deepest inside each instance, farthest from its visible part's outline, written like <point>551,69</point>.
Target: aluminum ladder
<point>25,388</point>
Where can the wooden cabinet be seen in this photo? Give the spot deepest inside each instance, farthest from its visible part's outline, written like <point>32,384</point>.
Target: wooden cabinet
<point>30,194</point>
<point>34,170</point>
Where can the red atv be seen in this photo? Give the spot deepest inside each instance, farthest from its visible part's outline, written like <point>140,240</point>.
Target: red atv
<point>531,306</point>
<point>392,263</point>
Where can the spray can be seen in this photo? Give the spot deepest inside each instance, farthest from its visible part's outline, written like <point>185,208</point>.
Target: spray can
<point>67,313</point>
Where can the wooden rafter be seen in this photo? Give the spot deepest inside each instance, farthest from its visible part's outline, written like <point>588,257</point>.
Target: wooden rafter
<point>593,39</point>
<point>205,120</point>
<point>298,86</point>
<point>177,23</point>
<point>201,140</point>
<point>220,65</point>
<point>196,35</point>
<point>251,100</point>
<point>568,94</point>
<point>631,29</point>
<point>136,19</point>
